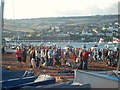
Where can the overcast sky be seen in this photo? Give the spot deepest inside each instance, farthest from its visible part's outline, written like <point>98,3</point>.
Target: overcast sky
<point>19,9</point>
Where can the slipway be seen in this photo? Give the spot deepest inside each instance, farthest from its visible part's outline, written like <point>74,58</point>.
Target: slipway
<point>97,80</point>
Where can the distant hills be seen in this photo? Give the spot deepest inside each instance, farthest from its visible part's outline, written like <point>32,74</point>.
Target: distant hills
<point>30,25</point>
<point>58,27</point>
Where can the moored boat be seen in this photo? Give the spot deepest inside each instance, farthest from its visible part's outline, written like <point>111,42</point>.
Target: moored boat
<point>101,40</point>
<point>116,40</point>
<point>18,79</point>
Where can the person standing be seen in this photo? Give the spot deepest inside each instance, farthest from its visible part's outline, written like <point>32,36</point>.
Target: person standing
<point>46,56</point>
<point>85,57</point>
<point>24,55</point>
<point>80,59</point>
<point>57,60</point>
<point>50,56</point>
<point>99,55</point>
<point>42,55</point>
<point>37,57</point>
<point>30,51</point>
<point>19,56</point>
<point>3,49</point>
<point>33,63</point>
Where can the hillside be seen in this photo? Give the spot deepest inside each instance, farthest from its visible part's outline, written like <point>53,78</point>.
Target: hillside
<point>29,25</point>
<point>56,28</point>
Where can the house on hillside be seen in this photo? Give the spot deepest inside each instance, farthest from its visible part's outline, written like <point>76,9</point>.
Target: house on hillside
<point>86,31</point>
<point>100,34</point>
<point>109,33</point>
<point>104,28</point>
<point>111,28</point>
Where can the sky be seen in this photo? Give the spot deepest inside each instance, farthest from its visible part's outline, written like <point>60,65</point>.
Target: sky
<point>21,9</point>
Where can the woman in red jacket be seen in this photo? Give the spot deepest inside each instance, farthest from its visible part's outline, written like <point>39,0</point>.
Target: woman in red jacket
<point>19,56</point>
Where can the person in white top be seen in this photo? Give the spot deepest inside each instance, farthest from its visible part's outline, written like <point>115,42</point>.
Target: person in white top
<point>42,55</point>
<point>50,57</point>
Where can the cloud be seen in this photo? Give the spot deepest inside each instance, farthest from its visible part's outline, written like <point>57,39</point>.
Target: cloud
<point>54,8</point>
<point>113,9</point>
<point>89,10</point>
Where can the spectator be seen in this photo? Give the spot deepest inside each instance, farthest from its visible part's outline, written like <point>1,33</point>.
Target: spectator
<point>19,56</point>
<point>24,55</point>
<point>85,57</point>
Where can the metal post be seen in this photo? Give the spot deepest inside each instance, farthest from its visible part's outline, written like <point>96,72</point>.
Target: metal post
<point>0,41</point>
<point>2,10</point>
<point>118,65</point>
<point>1,19</point>
<point>0,23</point>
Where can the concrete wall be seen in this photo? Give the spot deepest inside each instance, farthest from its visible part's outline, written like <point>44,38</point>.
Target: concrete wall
<point>97,80</point>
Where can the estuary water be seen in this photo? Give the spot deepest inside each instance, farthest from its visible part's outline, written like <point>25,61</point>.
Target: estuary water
<point>78,44</point>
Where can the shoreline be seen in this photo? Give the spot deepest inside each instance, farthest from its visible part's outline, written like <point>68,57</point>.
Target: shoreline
<point>9,61</point>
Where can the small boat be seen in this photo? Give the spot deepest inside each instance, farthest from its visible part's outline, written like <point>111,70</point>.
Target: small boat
<point>65,85</point>
<point>95,47</point>
<point>16,83</point>
<point>18,79</point>
<point>68,46</point>
<point>10,50</point>
<point>65,73</point>
<point>7,74</point>
<point>101,40</point>
<point>116,40</point>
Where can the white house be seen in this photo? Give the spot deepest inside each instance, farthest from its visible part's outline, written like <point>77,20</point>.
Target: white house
<point>77,33</point>
<point>112,29</point>
<point>101,34</point>
<point>63,34</point>
<point>109,34</point>
<point>86,33</point>
<point>104,28</point>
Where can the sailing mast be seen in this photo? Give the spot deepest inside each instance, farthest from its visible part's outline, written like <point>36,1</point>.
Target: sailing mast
<point>1,12</point>
<point>2,8</point>
<point>1,19</point>
<point>0,22</point>
<point>1,29</point>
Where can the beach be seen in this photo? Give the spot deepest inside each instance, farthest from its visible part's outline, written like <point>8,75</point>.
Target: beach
<point>9,62</point>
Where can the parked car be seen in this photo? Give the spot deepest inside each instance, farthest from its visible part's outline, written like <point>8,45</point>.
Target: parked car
<point>10,50</point>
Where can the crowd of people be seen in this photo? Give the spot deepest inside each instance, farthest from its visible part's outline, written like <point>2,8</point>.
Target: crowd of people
<point>40,56</point>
